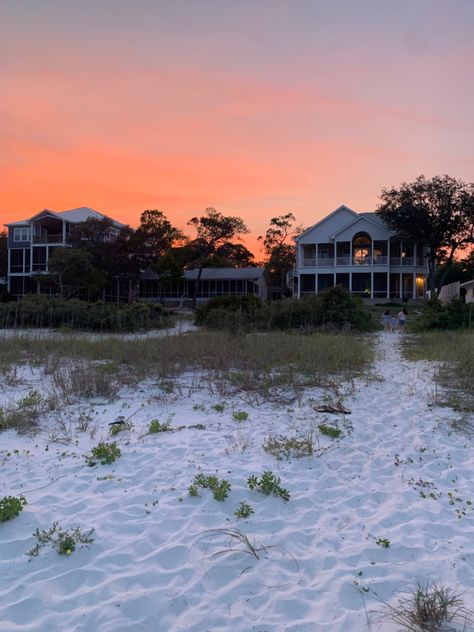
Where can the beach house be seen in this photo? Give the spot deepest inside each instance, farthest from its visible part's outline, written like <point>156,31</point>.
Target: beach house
<point>31,242</point>
<point>358,251</point>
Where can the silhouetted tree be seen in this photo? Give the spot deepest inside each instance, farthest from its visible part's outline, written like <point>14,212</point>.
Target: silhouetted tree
<point>280,249</point>
<point>154,237</point>
<point>71,270</point>
<point>213,230</point>
<point>438,212</point>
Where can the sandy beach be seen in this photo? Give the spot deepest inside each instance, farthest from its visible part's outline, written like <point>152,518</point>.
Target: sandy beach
<point>386,504</point>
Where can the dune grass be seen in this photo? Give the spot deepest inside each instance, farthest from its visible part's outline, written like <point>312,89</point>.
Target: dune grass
<point>454,351</point>
<point>255,363</point>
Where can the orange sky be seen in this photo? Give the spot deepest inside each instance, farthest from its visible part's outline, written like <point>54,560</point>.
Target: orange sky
<point>255,108</point>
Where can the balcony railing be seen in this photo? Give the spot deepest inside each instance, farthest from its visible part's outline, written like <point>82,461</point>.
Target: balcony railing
<point>377,260</point>
<point>47,239</point>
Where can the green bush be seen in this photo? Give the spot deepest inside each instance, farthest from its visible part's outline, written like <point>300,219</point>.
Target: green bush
<point>334,309</point>
<point>37,310</point>
<point>10,507</point>
<point>454,315</point>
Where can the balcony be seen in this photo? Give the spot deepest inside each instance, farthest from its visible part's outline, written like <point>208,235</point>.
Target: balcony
<point>48,238</point>
<point>377,260</point>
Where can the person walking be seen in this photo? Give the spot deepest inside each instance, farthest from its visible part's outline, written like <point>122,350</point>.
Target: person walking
<point>385,320</point>
<point>402,318</point>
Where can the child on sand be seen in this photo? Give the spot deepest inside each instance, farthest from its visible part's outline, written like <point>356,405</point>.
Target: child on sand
<point>393,323</point>
<point>402,318</point>
<point>385,320</point>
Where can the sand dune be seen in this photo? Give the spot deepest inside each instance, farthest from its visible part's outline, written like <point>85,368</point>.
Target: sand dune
<point>151,566</point>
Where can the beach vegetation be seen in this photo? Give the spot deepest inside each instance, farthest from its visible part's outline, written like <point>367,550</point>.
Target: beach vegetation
<point>156,426</point>
<point>431,608</point>
<point>453,352</point>
<point>244,510</point>
<point>39,311</point>
<point>103,452</point>
<point>23,415</point>
<point>11,507</point>
<point>120,425</point>
<point>329,431</point>
<point>231,536</point>
<point>219,407</point>
<point>220,487</point>
<point>268,484</point>
<point>333,310</point>
<point>289,447</point>
<point>64,541</point>
<point>383,542</point>
<point>240,415</point>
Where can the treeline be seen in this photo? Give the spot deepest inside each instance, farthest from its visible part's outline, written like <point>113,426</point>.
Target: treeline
<point>38,311</point>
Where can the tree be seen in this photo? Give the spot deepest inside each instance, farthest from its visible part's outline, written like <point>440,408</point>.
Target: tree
<point>154,237</point>
<point>280,249</point>
<point>461,270</point>
<point>71,270</point>
<point>213,230</point>
<point>438,212</point>
<point>231,255</point>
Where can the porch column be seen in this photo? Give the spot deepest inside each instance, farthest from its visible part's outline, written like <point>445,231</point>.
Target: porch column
<point>388,285</point>
<point>64,232</point>
<point>8,271</point>
<point>350,280</point>
<point>372,283</point>
<point>414,284</point>
<point>334,278</point>
<point>316,283</point>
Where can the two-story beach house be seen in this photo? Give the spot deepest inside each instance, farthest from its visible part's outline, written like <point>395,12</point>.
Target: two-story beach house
<point>31,243</point>
<point>358,251</point>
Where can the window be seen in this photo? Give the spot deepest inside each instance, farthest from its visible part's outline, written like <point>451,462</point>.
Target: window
<point>21,233</point>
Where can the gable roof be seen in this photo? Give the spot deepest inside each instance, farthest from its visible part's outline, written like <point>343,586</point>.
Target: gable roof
<point>369,217</point>
<point>339,208</point>
<point>74,216</point>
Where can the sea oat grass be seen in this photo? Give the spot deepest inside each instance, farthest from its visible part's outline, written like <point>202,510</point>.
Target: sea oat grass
<point>254,362</point>
<point>453,351</point>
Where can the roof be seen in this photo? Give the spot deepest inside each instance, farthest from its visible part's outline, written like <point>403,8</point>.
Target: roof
<point>373,218</point>
<point>339,208</point>
<point>74,216</point>
<point>215,274</point>
<point>225,274</point>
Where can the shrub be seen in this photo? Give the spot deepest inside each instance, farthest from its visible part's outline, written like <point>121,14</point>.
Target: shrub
<point>158,426</point>
<point>240,415</point>
<point>244,510</point>
<point>329,431</point>
<point>64,541</point>
<point>106,453</point>
<point>453,315</point>
<point>268,484</point>
<point>219,486</point>
<point>11,507</point>
<point>39,311</point>
<point>333,309</point>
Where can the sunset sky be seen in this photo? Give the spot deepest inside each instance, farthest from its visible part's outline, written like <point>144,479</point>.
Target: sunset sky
<point>255,107</point>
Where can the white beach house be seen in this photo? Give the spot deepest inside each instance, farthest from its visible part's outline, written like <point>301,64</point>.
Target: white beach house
<point>358,251</point>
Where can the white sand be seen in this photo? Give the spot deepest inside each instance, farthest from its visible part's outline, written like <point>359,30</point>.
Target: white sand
<point>148,569</point>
